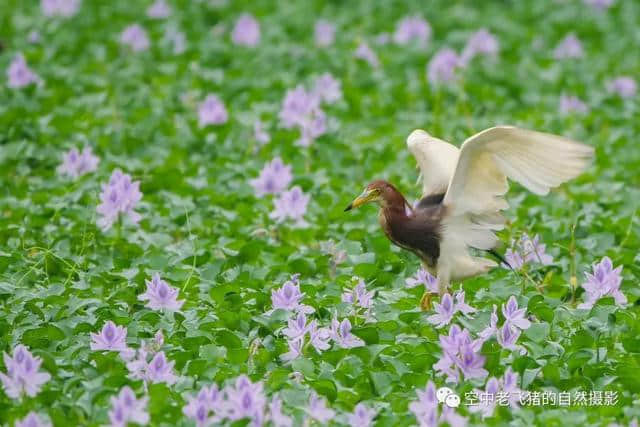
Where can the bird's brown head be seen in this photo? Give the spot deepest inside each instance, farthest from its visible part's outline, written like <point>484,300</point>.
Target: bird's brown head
<point>378,191</point>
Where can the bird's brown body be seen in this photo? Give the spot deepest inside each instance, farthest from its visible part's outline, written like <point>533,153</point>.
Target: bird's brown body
<point>415,229</point>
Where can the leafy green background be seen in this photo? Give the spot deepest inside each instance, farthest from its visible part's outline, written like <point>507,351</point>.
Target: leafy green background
<point>205,232</point>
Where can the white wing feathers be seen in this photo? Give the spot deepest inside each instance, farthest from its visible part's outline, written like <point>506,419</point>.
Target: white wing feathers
<point>436,158</point>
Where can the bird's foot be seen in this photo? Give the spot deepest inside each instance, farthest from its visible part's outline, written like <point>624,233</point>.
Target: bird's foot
<point>425,301</point>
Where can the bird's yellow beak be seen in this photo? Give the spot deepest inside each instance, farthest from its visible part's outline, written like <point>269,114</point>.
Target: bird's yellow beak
<point>366,197</point>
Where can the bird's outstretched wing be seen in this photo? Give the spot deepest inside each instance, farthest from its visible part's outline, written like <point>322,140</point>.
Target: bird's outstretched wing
<point>538,161</point>
<point>436,159</point>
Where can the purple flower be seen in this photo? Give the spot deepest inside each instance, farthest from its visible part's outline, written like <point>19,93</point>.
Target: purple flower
<point>365,53</point>
<point>22,375</point>
<point>274,178</point>
<point>159,10</point>
<point>569,47</point>
<point>260,134</point>
<point>482,42</point>
<point>295,349</point>
<point>120,195</point>
<point>460,356</point>
<point>534,251</point>
<point>441,68</point>
<point>319,336</point>
<point>317,409</point>
<point>34,37</point>
<point>444,312</point>
<point>412,28</point>
<point>382,39</point>
<point>599,4</point>
<point>135,37</point>
<point>341,333</point>
<point>291,204</point>
<point>110,338</point>
<point>19,74</point>
<point>338,256</point>
<point>278,419</point>
<point>324,33</point>
<point>604,281</point>
<point>199,407</point>
<point>452,418</point>
<point>426,407</point>
<point>126,408</point>
<point>490,330</point>
<point>176,39</point>
<point>423,277</point>
<point>245,400</point>
<point>462,306</point>
<point>75,164</point>
<point>513,258</point>
<point>572,104</point>
<point>514,315</point>
<point>327,89</point>
<point>508,336</point>
<point>623,86</point>
<point>212,112</point>
<point>301,109</point>
<point>246,31</point>
<point>160,370</point>
<point>509,384</point>
<point>288,297</point>
<point>296,327</point>
<point>32,420</point>
<point>362,416</point>
<point>487,398</point>
<point>160,295</point>
<point>359,295</point>
<point>63,8</point>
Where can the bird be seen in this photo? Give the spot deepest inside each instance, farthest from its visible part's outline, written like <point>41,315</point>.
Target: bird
<point>463,194</point>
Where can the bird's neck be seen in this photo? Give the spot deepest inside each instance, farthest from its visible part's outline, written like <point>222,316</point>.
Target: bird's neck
<point>394,205</point>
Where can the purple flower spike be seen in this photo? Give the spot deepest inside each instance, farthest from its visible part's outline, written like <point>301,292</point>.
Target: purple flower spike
<point>246,31</point>
<point>317,409</point>
<point>110,338</point>
<point>441,68</point>
<point>212,112</point>
<point>470,363</point>
<point>19,74</point>
<point>509,385</point>
<point>482,42</point>
<point>291,204</point>
<point>599,4</point>
<point>159,10</point>
<point>126,408</point>
<point>22,375</point>
<point>160,295</point>
<point>362,416</point>
<point>623,86</point>
<point>535,251</point>
<point>62,8</point>
<point>319,336</point>
<point>288,297</point>
<point>119,196</point>
<point>277,417</point>
<point>274,178</point>
<point>160,370</point>
<point>492,329</point>
<point>324,33</point>
<point>341,333</point>
<point>604,281</point>
<point>462,306</point>
<point>515,315</point>
<point>460,356</point>
<point>327,89</point>
<point>426,407</point>
<point>569,47</point>
<point>444,312</point>
<point>508,336</point>
<point>367,54</point>
<point>75,164</point>
<point>572,104</point>
<point>295,349</point>
<point>198,408</point>
<point>32,420</point>
<point>487,405</point>
<point>135,37</point>
<point>423,277</point>
<point>246,400</point>
<point>412,28</point>
<point>297,327</point>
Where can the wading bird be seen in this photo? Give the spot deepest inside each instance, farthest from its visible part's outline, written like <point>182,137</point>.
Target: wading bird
<point>463,194</point>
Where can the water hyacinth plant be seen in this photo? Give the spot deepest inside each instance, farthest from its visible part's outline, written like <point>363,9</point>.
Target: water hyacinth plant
<point>173,246</point>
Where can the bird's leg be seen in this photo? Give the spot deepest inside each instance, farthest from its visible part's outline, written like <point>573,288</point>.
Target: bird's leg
<point>425,301</point>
